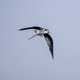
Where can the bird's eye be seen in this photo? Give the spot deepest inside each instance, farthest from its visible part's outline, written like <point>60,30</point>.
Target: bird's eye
<point>46,30</point>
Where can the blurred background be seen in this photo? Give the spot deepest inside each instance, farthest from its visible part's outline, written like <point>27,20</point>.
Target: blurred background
<point>23,59</point>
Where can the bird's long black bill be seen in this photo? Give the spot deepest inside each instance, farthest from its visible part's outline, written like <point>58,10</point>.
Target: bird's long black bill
<point>32,37</point>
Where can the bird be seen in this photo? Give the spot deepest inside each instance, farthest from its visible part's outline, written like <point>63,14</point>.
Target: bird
<point>43,32</point>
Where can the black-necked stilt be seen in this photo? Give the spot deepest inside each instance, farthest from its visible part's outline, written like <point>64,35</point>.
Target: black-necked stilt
<point>40,31</point>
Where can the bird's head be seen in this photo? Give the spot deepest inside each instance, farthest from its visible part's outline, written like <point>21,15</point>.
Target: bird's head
<point>45,30</point>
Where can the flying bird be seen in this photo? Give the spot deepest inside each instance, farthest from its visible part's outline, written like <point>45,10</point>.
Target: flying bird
<point>43,32</point>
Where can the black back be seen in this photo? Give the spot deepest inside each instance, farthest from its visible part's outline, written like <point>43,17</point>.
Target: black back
<point>49,41</point>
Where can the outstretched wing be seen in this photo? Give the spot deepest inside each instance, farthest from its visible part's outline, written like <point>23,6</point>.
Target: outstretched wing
<point>49,41</point>
<point>33,27</point>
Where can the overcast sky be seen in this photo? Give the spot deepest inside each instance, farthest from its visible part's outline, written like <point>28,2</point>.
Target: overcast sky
<point>23,59</point>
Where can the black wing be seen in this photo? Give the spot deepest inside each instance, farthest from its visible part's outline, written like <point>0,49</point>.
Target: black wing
<point>33,27</point>
<point>49,41</point>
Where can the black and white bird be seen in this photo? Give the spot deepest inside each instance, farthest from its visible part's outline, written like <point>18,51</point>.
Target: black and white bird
<point>43,32</point>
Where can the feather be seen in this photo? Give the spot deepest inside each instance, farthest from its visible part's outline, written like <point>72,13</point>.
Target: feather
<point>49,41</point>
<point>33,27</point>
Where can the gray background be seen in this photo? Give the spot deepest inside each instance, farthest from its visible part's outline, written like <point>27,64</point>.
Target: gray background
<point>22,59</point>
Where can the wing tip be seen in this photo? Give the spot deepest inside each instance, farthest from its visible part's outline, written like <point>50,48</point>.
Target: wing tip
<point>52,57</point>
<point>21,29</point>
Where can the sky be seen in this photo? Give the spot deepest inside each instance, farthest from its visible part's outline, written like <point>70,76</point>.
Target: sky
<point>23,59</point>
